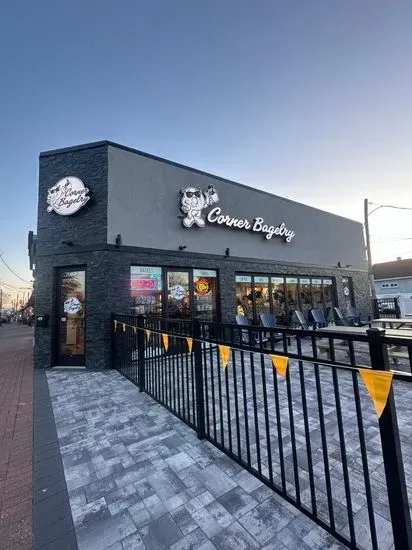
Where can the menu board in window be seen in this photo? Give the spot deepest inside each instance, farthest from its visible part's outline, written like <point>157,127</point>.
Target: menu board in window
<point>146,290</point>
<point>205,294</point>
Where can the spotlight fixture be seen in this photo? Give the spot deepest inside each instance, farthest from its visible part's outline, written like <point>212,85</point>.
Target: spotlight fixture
<point>118,240</point>
<point>339,264</point>
<point>227,252</point>
<point>182,247</point>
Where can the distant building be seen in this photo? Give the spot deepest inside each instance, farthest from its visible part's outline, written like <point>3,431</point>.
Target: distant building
<point>394,280</point>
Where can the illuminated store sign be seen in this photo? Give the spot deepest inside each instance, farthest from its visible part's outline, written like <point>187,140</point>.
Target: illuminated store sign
<point>67,196</point>
<point>193,202</point>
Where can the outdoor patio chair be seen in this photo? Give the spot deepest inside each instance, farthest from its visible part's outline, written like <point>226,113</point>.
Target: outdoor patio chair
<point>341,320</point>
<point>355,315</point>
<point>249,337</point>
<point>269,320</point>
<point>299,321</point>
<point>319,318</point>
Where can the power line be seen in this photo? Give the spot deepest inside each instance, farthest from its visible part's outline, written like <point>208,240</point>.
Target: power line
<point>388,206</point>
<point>11,287</point>
<point>12,271</point>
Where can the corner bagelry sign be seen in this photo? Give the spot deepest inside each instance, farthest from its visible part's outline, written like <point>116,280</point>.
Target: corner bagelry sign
<point>67,196</point>
<point>193,202</point>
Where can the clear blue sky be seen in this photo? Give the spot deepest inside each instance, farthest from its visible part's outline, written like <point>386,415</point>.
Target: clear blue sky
<point>308,99</point>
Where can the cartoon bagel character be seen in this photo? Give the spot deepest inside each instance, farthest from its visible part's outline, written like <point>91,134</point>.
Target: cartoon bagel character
<point>55,193</point>
<point>193,201</point>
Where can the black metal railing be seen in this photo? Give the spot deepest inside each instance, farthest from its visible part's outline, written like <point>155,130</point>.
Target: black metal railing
<point>386,308</point>
<point>312,436</point>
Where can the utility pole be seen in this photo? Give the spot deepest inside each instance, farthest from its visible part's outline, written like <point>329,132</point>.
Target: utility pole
<point>368,250</point>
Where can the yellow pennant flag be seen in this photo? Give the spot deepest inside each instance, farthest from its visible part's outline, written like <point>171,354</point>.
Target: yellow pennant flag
<point>165,338</point>
<point>280,363</point>
<point>190,344</point>
<point>134,329</point>
<point>378,384</point>
<point>147,331</point>
<point>224,354</point>
<point>124,327</point>
<point>115,325</point>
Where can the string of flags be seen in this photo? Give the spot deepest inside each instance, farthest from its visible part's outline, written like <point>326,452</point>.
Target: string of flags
<point>378,383</point>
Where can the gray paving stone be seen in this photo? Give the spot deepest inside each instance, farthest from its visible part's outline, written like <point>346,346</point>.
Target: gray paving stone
<point>216,481</point>
<point>206,522</point>
<point>192,541</point>
<point>88,514</point>
<point>139,514</point>
<point>166,483</point>
<point>79,475</point>
<point>184,520</point>
<point>161,533</point>
<point>133,542</point>
<point>155,506</point>
<point>180,461</point>
<point>264,521</point>
<point>234,537</point>
<point>105,532</point>
<point>237,502</point>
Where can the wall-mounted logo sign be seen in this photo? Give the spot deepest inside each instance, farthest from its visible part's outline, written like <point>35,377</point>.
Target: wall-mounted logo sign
<point>67,196</point>
<point>202,287</point>
<point>177,292</point>
<point>193,201</point>
<point>72,306</point>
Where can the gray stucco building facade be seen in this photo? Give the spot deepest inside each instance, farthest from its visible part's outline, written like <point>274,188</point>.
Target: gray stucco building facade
<point>122,231</point>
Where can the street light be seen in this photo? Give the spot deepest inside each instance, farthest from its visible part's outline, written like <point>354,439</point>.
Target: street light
<point>368,247</point>
<point>367,237</point>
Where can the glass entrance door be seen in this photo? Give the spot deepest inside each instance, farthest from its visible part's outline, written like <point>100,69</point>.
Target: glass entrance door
<point>71,318</point>
<point>178,297</point>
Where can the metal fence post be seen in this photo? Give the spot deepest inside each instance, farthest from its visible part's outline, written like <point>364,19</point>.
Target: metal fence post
<point>200,401</point>
<point>391,450</point>
<point>141,352</point>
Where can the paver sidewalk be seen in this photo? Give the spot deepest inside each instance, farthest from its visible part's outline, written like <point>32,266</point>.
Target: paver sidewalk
<point>16,425</point>
<point>139,479</point>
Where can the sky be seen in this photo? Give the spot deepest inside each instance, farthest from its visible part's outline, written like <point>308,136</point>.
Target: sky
<point>309,99</point>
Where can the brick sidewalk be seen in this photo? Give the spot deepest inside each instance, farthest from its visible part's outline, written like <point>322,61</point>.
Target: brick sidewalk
<point>16,426</point>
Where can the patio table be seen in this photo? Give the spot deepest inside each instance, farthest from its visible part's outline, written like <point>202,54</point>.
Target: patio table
<point>393,323</point>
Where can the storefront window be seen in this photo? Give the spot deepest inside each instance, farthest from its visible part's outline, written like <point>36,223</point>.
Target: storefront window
<point>205,294</point>
<point>178,295</point>
<point>278,298</point>
<point>292,295</point>
<point>146,290</point>
<point>244,297</point>
<point>261,295</point>
<point>317,294</point>
<point>328,298</point>
<point>257,294</point>
<point>305,295</point>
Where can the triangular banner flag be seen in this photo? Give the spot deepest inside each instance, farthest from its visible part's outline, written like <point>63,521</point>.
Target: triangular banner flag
<point>165,338</point>
<point>224,354</point>
<point>134,329</point>
<point>378,384</point>
<point>124,327</point>
<point>280,362</point>
<point>115,325</point>
<point>189,344</point>
<point>147,331</point>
